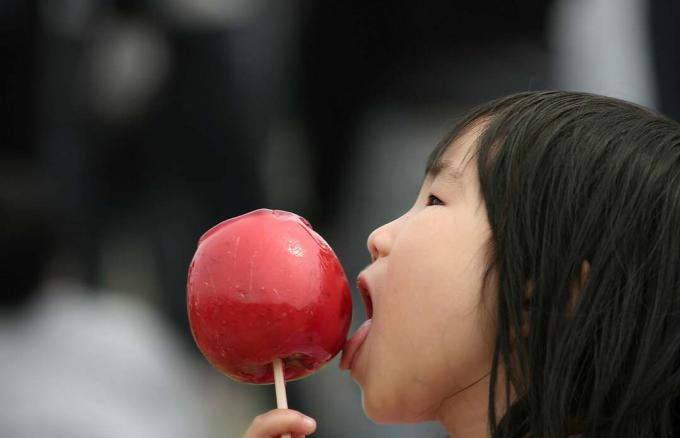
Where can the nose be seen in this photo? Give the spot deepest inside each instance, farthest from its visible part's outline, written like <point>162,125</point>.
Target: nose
<point>380,241</point>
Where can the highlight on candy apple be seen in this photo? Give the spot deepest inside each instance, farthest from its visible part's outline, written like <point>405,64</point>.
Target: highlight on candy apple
<point>265,286</point>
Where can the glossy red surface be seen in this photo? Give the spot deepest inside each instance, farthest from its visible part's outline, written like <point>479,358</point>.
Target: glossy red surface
<point>265,285</point>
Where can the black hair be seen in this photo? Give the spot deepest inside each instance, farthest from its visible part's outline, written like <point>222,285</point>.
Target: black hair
<point>572,178</point>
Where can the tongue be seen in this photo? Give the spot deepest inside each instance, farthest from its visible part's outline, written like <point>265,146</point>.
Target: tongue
<point>353,344</point>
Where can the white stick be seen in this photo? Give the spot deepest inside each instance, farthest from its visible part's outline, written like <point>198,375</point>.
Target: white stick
<point>280,387</point>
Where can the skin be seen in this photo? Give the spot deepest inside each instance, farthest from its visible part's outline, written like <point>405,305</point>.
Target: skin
<point>278,422</point>
<point>428,353</point>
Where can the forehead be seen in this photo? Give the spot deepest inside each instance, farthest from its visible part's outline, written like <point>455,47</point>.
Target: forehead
<point>454,159</point>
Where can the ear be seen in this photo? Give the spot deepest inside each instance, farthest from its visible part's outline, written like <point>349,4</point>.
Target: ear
<point>576,288</point>
<point>578,284</point>
<point>525,307</point>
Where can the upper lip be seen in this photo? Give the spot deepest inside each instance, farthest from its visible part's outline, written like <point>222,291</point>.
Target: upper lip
<point>365,291</point>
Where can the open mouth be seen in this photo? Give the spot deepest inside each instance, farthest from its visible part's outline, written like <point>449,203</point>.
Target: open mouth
<point>353,344</point>
<point>365,296</point>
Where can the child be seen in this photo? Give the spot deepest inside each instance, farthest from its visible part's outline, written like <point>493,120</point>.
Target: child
<point>533,289</point>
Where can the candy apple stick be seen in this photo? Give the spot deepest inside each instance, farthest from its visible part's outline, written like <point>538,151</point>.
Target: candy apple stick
<point>280,387</point>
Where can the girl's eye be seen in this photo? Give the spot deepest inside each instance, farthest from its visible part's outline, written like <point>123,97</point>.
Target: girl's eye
<point>433,200</point>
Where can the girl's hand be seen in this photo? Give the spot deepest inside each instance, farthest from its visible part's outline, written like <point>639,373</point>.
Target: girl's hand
<point>276,422</point>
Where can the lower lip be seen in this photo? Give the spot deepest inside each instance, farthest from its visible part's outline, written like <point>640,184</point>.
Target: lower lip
<point>354,344</point>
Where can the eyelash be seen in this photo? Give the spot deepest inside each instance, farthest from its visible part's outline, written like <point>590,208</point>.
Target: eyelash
<point>434,201</point>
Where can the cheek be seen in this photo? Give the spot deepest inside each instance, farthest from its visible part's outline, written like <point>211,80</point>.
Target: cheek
<point>439,265</point>
<point>433,285</point>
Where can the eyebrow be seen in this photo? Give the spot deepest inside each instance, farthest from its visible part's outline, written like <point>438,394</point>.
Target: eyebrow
<point>440,165</point>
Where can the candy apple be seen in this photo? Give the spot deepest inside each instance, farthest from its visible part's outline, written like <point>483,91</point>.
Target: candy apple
<point>263,286</point>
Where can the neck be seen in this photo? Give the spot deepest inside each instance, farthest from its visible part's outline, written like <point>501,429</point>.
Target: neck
<point>465,414</point>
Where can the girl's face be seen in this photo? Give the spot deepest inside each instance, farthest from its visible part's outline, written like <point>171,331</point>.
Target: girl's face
<point>433,331</point>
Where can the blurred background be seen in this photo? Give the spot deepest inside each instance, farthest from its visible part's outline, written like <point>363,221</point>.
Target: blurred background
<point>130,127</point>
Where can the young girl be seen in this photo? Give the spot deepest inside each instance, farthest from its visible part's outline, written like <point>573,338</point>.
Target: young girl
<point>533,289</point>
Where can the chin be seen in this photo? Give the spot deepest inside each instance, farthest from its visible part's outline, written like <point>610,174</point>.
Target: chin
<point>386,409</point>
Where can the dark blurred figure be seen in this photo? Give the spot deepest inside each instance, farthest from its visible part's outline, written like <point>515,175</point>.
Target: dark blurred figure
<point>664,18</point>
<point>72,362</point>
<point>83,167</point>
<point>17,77</point>
<point>26,237</point>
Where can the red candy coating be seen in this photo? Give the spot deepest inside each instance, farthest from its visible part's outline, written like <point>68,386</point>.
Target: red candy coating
<point>262,286</point>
